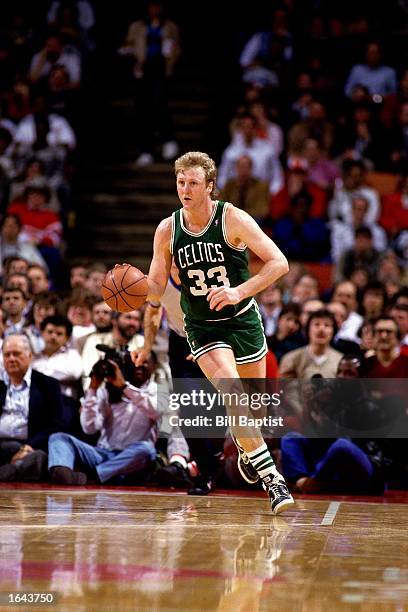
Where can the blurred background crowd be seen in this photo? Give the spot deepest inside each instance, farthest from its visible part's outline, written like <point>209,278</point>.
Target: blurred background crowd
<point>304,107</point>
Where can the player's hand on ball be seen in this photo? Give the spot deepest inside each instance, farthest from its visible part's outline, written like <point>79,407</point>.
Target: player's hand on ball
<point>222,296</point>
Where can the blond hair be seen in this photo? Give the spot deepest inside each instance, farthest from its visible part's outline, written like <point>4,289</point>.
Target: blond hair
<point>194,159</point>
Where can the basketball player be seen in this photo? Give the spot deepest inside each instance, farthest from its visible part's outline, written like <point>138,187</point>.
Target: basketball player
<point>208,240</point>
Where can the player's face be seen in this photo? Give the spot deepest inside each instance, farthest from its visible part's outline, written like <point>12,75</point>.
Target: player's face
<point>192,188</point>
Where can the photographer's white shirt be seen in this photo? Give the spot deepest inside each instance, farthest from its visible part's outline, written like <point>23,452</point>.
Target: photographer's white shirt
<point>133,419</point>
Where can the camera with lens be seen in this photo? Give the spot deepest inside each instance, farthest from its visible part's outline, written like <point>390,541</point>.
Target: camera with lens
<point>104,369</point>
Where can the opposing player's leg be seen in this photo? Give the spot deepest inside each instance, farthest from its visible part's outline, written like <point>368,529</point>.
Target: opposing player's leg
<point>254,459</point>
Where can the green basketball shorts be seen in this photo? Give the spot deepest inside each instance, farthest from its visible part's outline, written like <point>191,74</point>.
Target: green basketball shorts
<point>243,334</point>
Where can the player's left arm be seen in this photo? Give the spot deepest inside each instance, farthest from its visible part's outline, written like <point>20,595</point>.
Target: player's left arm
<point>241,230</point>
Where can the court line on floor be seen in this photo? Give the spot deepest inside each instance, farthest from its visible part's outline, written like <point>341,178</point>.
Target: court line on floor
<point>331,512</point>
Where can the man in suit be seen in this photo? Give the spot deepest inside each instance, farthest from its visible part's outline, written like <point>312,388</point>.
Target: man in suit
<point>30,411</point>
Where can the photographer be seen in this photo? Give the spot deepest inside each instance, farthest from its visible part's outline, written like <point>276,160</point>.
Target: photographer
<point>322,463</point>
<point>124,410</point>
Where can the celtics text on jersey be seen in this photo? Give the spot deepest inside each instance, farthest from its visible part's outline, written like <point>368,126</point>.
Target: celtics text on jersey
<point>206,260</point>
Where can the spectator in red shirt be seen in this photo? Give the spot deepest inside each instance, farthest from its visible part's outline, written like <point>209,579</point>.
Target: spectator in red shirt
<point>41,226</point>
<point>387,361</point>
<point>297,183</point>
<point>394,214</point>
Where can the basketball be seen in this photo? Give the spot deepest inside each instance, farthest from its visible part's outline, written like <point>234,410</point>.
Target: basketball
<point>124,288</point>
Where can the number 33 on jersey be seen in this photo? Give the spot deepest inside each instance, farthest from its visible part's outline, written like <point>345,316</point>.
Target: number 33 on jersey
<point>207,260</point>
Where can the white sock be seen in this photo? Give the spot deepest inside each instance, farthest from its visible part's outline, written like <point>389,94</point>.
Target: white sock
<point>262,461</point>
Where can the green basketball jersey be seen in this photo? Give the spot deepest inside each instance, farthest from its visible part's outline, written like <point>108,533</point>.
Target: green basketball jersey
<point>207,260</point>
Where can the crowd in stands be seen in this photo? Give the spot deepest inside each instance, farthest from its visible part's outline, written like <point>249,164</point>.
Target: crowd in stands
<point>318,155</point>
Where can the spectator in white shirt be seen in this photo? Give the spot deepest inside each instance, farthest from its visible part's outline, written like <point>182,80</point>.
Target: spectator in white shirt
<point>54,53</point>
<point>342,235</point>
<point>58,359</point>
<point>352,184</point>
<point>265,164</point>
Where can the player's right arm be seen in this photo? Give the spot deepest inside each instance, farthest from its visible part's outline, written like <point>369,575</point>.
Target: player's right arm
<point>160,266</point>
<point>157,280</point>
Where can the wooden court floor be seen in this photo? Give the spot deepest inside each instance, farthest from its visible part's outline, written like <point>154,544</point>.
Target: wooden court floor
<point>114,549</point>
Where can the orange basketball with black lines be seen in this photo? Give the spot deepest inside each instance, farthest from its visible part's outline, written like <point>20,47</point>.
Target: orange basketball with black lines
<point>124,288</point>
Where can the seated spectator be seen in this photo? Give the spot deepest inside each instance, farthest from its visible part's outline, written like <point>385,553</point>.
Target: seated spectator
<point>34,173</point>
<point>343,234</point>
<point>389,269</point>
<point>322,464</point>
<point>30,411</point>
<point>365,138</point>
<point>266,166</point>
<point>308,306</point>
<point>305,288</point>
<point>299,236</point>
<point>373,300</point>
<point>270,305</point>
<point>55,53</point>
<point>287,336</point>
<point>15,265</point>
<point>345,292</point>
<point>317,357</point>
<point>379,79</point>
<point>321,171</point>
<point>42,130</point>
<point>102,320</point>
<point>126,328</point>
<point>297,182</point>
<point>13,304</point>
<point>45,304</point>
<point>272,48</point>
<point>265,129</point>
<point>14,244</point>
<point>94,278</point>
<point>79,312</point>
<point>125,414</point>
<point>75,21</point>
<point>59,360</point>
<point>352,184</point>
<point>77,276</point>
<point>347,347</point>
<point>399,313</point>
<point>387,362</point>
<point>39,224</point>
<point>394,214</point>
<point>361,255</point>
<point>17,279</point>
<point>316,127</point>
<point>7,170</point>
<point>246,191</point>
<point>38,278</point>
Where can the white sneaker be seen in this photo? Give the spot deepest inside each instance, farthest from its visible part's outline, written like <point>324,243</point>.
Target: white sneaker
<point>144,159</point>
<point>170,150</point>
